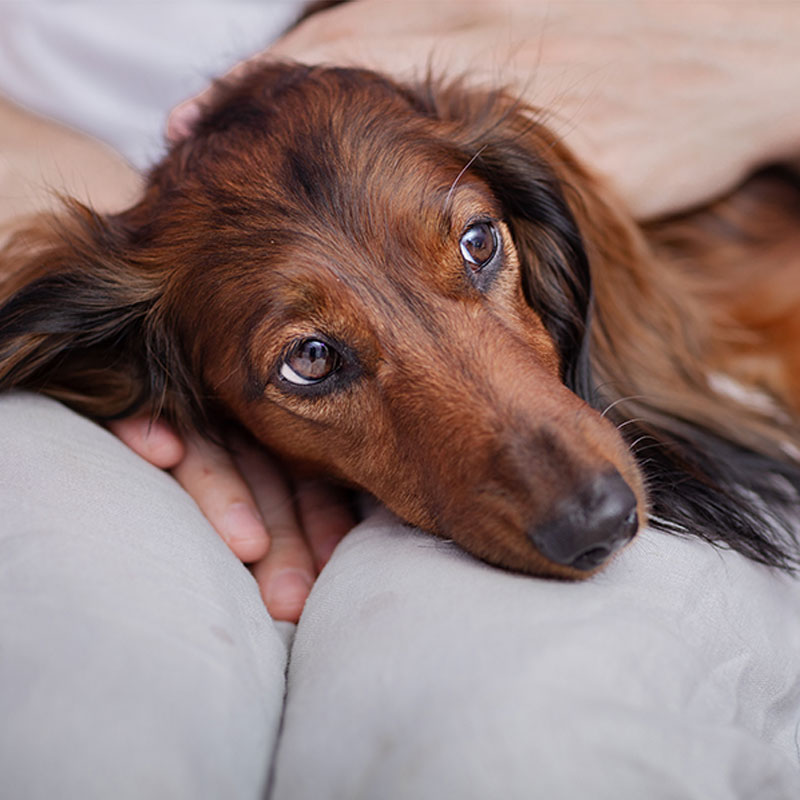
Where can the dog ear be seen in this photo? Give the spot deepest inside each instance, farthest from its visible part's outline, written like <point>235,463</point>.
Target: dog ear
<point>80,321</point>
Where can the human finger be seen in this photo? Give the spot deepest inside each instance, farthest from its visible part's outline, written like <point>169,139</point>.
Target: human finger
<point>209,474</point>
<point>285,575</point>
<point>152,439</point>
<point>325,517</point>
<point>183,117</point>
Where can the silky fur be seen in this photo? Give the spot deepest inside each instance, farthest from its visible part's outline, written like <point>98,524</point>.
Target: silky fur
<point>322,201</point>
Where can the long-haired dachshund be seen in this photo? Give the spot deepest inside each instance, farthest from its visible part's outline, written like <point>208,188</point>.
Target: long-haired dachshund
<point>416,290</point>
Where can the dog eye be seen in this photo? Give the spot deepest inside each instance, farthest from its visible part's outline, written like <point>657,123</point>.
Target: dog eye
<point>309,361</point>
<point>478,244</point>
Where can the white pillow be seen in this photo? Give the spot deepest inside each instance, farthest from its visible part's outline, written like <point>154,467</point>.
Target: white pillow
<point>418,672</point>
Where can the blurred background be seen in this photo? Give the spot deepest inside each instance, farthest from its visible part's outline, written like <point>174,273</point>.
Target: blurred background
<point>115,69</point>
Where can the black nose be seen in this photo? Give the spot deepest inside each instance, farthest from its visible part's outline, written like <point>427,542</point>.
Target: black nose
<point>590,525</point>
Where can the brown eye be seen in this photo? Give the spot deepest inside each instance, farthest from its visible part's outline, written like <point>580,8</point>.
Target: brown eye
<point>478,244</point>
<point>309,361</point>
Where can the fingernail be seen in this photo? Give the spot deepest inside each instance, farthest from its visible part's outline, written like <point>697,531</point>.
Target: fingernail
<point>242,524</point>
<point>287,592</point>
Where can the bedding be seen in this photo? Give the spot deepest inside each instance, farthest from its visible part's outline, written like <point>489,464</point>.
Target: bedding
<point>420,672</point>
<point>136,657</point>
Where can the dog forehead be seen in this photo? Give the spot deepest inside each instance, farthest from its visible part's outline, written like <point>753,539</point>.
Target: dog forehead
<point>348,291</point>
<point>383,253</point>
<point>362,209</point>
<point>331,144</point>
<point>364,174</point>
<point>336,174</point>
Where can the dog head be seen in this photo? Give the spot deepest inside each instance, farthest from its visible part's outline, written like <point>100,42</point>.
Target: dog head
<point>387,285</point>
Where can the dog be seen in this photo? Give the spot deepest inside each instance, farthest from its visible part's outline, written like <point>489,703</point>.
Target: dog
<point>417,291</point>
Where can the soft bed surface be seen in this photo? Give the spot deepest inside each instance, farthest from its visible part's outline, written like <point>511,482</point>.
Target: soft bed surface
<point>419,672</point>
<point>136,657</point>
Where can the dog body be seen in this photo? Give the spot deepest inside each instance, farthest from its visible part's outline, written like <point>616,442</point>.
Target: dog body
<point>419,292</point>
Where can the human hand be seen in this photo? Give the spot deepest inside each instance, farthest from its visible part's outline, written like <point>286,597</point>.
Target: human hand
<point>672,108</point>
<point>286,530</point>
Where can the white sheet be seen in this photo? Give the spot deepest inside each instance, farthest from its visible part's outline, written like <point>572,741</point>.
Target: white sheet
<point>418,672</point>
<point>137,661</point>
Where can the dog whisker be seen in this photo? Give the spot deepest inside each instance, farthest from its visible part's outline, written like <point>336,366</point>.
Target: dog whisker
<point>620,400</point>
<point>632,421</point>
<point>458,178</point>
<point>633,445</point>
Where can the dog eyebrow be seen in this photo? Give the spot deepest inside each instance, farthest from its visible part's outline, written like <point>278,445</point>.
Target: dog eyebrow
<point>256,377</point>
<point>448,199</point>
<point>298,299</point>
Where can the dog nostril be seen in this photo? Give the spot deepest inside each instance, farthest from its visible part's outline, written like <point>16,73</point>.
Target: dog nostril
<point>630,526</point>
<point>590,525</point>
<point>592,558</point>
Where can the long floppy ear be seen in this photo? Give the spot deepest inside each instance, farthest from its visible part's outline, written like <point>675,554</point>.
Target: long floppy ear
<point>80,321</point>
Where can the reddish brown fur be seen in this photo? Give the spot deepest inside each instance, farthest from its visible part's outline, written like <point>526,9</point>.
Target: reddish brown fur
<point>456,414</point>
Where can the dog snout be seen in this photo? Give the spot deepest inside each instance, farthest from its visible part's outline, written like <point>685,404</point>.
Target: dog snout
<point>590,525</point>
